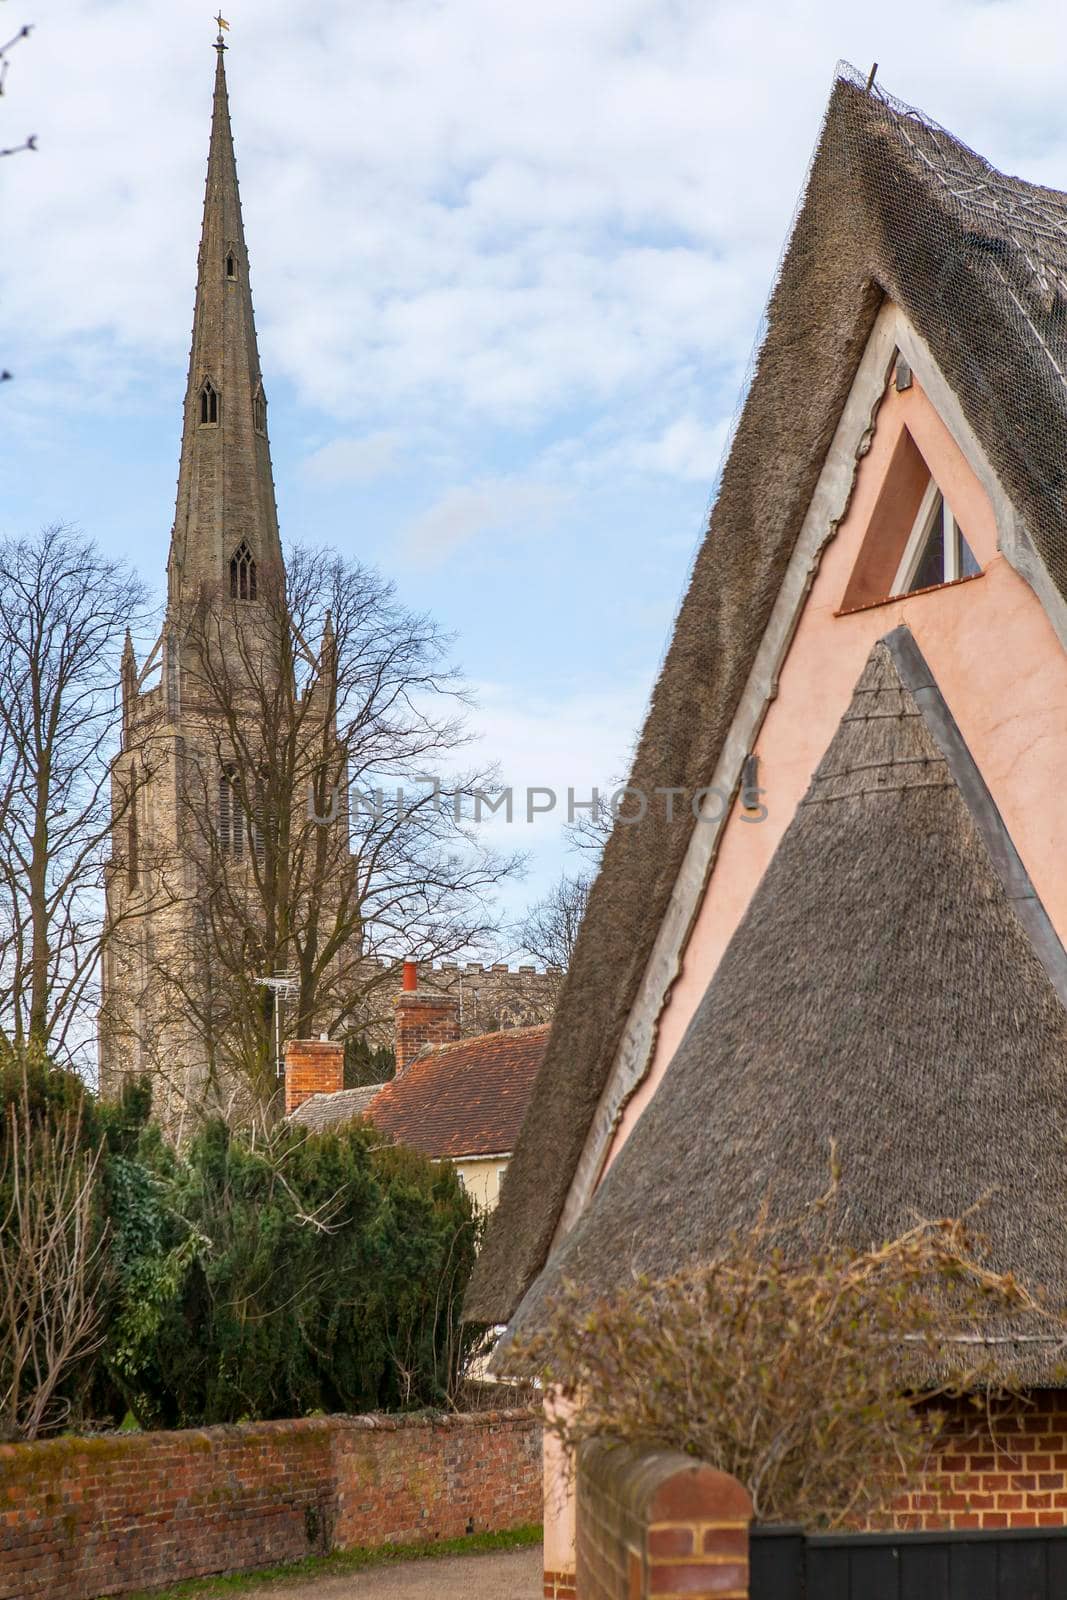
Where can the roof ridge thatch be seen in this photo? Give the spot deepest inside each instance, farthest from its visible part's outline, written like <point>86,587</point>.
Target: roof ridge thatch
<point>880,992</point>
<point>980,277</point>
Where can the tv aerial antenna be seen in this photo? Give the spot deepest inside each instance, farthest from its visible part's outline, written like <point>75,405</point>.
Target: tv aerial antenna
<point>280,985</point>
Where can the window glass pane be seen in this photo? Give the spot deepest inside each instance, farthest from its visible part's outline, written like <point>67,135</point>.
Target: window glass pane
<point>969,567</point>
<point>931,568</point>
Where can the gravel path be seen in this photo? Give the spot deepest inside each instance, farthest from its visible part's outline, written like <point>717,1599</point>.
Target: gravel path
<point>504,1575</point>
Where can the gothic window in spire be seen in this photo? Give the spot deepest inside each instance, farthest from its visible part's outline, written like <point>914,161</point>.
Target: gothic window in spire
<point>209,403</point>
<point>259,410</point>
<point>231,815</point>
<point>231,264</point>
<point>242,573</point>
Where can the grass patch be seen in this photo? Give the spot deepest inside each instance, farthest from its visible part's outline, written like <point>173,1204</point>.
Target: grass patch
<point>345,1561</point>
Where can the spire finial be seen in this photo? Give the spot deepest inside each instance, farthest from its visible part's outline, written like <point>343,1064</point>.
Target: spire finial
<point>220,43</point>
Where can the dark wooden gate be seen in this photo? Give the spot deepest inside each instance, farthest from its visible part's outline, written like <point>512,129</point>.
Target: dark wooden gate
<point>1024,1564</point>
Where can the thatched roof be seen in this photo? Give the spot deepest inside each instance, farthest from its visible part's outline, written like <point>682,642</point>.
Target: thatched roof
<point>880,991</point>
<point>978,261</point>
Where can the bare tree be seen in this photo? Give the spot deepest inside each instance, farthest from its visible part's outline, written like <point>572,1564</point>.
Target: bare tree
<point>51,1265</point>
<point>550,927</point>
<point>64,609</point>
<point>327,843</point>
<point>30,142</point>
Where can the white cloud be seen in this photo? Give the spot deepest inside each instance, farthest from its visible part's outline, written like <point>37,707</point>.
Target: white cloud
<point>356,460</point>
<point>504,506</point>
<point>687,448</point>
<point>577,740</point>
<point>467,206</point>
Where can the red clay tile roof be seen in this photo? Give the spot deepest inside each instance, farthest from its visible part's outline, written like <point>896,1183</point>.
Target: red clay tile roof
<point>464,1099</point>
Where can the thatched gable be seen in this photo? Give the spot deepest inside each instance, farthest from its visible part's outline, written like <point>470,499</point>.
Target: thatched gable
<point>880,991</point>
<point>978,262</point>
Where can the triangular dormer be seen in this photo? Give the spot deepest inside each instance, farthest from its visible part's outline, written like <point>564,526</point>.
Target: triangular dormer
<point>914,540</point>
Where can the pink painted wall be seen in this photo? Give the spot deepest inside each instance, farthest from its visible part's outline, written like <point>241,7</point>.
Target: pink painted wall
<point>1004,675</point>
<point>999,665</point>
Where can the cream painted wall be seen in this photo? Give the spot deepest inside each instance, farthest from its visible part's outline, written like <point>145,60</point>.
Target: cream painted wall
<point>482,1178</point>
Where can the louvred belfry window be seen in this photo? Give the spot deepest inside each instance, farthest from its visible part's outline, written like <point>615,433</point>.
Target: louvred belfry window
<point>259,842</point>
<point>209,403</point>
<point>242,573</point>
<point>231,815</point>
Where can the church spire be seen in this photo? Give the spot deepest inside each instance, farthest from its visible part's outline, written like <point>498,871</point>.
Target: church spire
<point>226,520</point>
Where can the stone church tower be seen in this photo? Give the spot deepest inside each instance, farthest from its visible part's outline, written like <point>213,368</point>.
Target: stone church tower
<point>164,1009</point>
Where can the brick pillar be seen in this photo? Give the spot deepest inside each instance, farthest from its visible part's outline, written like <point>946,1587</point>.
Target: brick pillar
<point>423,1017</point>
<point>312,1066</point>
<point>656,1525</point>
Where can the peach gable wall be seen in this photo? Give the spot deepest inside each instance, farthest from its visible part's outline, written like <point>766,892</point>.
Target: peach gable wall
<point>1003,673</point>
<point>997,661</point>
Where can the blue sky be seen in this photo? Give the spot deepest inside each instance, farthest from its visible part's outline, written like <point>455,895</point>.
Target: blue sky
<point>508,264</point>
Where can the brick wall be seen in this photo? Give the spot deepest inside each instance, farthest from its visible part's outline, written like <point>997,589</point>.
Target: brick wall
<point>657,1525</point>
<point>423,1019</point>
<point>87,1517</point>
<point>1004,1470</point>
<point>312,1066</point>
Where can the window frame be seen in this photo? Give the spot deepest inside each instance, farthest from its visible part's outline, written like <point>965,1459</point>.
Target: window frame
<point>243,570</point>
<point>231,817</point>
<point>210,401</point>
<point>932,505</point>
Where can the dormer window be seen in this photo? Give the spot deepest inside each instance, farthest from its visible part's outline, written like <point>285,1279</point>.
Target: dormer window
<point>231,265</point>
<point>259,410</point>
<point>242,573</point>
<point>209,404</point>
<point>936,551</point>
<point>912,541</point>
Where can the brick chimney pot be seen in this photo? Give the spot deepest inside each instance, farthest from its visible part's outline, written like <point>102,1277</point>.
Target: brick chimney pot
<point>312,1066</point>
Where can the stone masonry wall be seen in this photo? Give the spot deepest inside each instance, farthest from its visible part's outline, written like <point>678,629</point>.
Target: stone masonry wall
<point>86,1517</point>
<point>487,997</point>
<point>495,997</point>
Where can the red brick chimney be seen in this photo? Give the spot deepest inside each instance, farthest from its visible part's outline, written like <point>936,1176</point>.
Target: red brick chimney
<point>423,1016</point>
<point>312,1066</point>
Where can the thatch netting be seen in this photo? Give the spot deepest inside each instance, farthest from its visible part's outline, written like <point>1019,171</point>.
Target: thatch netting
<point>978,261</point>
<point>879,992</point>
